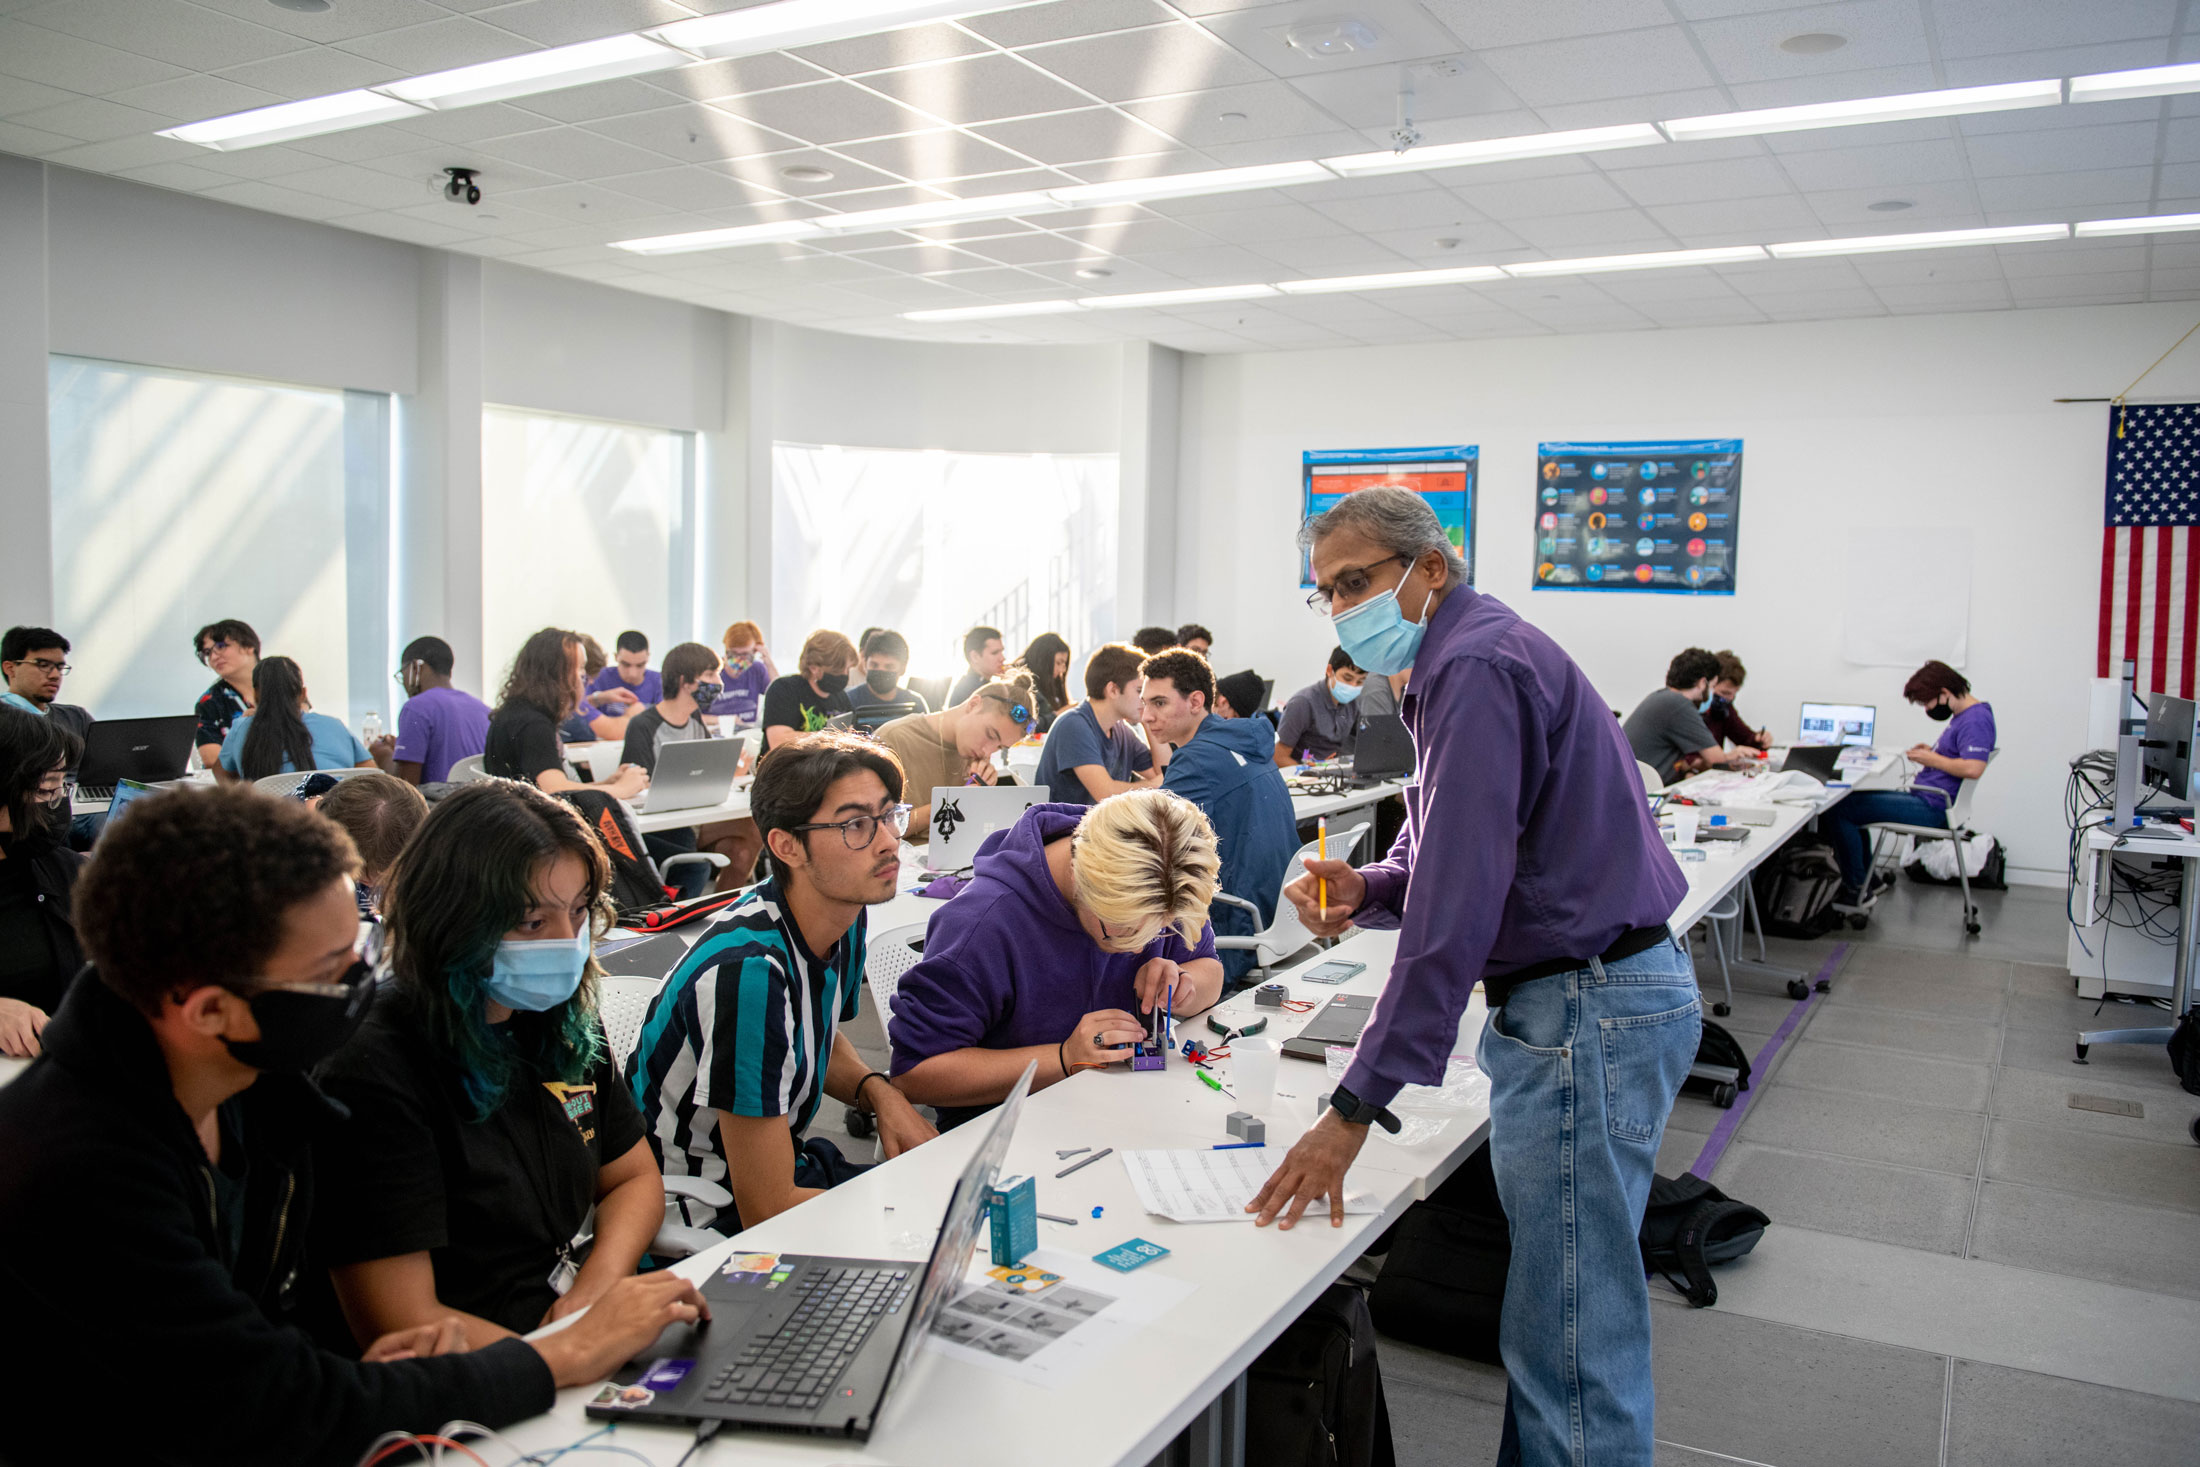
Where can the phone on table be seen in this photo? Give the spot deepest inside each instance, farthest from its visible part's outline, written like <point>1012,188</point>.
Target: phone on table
<point>1336,970</point>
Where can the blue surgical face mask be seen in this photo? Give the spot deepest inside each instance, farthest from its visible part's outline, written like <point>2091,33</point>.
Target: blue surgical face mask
<point>1344,692</point>
<point>1376,635</point>
<point>1705,705</point>
<point>539,975</point>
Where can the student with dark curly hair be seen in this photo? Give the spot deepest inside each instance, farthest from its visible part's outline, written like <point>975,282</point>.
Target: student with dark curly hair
<point>222,927</point>
<point>1666,730</point>
<point>540,692</point>
<point>487,1114</point>
<point>38,944</point>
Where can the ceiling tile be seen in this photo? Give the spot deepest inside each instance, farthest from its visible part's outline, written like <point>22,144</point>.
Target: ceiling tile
<point>361,145</point>
<point>465,126</point>
<point>1885,166</point>
<point>2129,145</point>
<point>1580,193</point>
<point>1736,220</point>
<point>1620,231</point>
<point>1932,206</point>
<point>1033,249</point>
<point>1994,27</point>
<point>187,176</point>
<point>1234,114</point>
<point>1141,237</point>
<point>1424,209</point>
<point>1214,265</point>
<point>338,22</point>
<point>1076,137</point>
<point>975,229</point>
<point>167,30</point>
<point>1482,25</point>
<point>1696,183</point>
<point>693,133</point>
<point>19,95</point>
<point>979,89</point>
<point>697,190</point>
<point>1874,134</point>
<point>916,259</point>
<point>769,170</point>
<point>1282,150</point>
<point>1837,86</point>
<point>92,120</point>
<point>715,80</point>
<point>613,98</point>
<point>1404,32</point>
<point>1746,48</point>
<point>910,46</point>
<point>1036,23</point>
<point>827,112</point>
<point>261,163</point>
<point>134,151</point>
<point>562,22</point>
<point>2049,194</point>
<point>37,54</point>
<point>1621,108</point>
<point>1367,96</point>
<point>2035,289</point>
<point>273,197</point>
<point>1954,295</point>
<point>186,98</point>
<point>362,188</point>
<point>30,142</point>
<point>1261,225</point>
<point>1344,254</point>
<point>1591,67</point>
<point>439,45</point>
<point>311,73</point>
<point>411,231</point>
<point>1471,244</point>
<point>570,152</point>
<point>1128,65</point>
<point>1930,267</point>
<point>927,156</point>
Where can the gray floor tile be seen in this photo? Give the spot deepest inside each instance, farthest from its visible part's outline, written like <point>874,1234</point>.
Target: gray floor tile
<point>2024,923</point>
<point>2043,1099</point>
<point>1677,1151</point>
<point>1771,1393</point>
<point>2086,1237</point>
<point>2052,1052</point>
<point>1758,1008</point>
<point>1672,1454</point>
<point>2042,980</point>
<point>1938,998</point>
<point>1867,1128</point>
<point>1911,1033</point>
<point>1914,1209</point>
<point>1693,1113</point>
<point>1919,966</point>
<point>1431,1427</point>
<point>1438,1371</point>
<point>2040,1011</point>
<point>2146,1172</point>
<point>2015,1418</point>
<point>1949,1084</point>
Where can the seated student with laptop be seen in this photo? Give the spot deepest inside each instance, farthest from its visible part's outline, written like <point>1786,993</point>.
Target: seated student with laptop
<point>749,672</point>
<point>597,717</point>
<point>985,657</point>
<point>878,698</point>
<point>956,746</point>
<point>692,673</point>
<point>439,725</point>
<point>33,661</point>
<point>38,943</point>
<point>540,692</point>
<point>744,1043</point>
<point>1667,730</point>
<point>379,812</point>
<point>222,928</point>
<point>231,649</point>
<point>1319,721</point>
<point>1094,751</point>
<point>1076,922</point>
<point>1722,718</point>
<point>283,734</point>
<point>1225,766</point>
<point>817,690</point>
<point>630,680</point>
<point>1959,754</point>
<point>487,1117</point>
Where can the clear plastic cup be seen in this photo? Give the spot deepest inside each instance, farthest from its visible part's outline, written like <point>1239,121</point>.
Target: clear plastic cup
<point>1684,829</point>
<point>1253,1061</point>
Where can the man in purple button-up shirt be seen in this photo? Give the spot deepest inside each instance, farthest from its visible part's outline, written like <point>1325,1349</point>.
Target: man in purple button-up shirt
<point>1528,863</point>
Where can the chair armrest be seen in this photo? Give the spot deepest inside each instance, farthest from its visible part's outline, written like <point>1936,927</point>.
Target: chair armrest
<point>1238,902</point>
<point>712,859</point>
<point>1237,944</point>
<point>709,1193</point>
<point>676,1241</point>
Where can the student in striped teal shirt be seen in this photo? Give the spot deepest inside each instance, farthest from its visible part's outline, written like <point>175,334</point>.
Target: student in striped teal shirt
<point>744,1042</point>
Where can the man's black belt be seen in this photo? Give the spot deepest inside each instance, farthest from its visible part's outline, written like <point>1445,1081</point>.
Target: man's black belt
<point>1499,986</point>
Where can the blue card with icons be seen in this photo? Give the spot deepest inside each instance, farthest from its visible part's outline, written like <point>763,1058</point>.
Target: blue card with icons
<point>1137,1253</point>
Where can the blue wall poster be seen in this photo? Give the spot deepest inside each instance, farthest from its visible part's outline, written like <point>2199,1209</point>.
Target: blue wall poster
<point>1638,516</point>
<point>1442,476</point>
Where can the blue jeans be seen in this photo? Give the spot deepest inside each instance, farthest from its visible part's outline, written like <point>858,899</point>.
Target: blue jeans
<point>1843,825</point>
<point>1583,1068</point>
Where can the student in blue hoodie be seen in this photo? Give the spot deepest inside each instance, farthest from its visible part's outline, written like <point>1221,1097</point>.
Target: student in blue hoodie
<point>1077,921</point>
<point>1226,766</point>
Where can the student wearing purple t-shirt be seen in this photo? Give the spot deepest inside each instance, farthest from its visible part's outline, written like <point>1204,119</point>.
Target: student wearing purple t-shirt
<point>1077,921</point>
<point>439,724</point>
<point>1959,754</point>
<point>630,680</point>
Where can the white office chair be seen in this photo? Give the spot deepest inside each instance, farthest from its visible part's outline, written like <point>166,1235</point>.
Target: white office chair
<point>623,1005</point>
<point>1651,784</point>
<point>283,784</point>
<point>1957,830</point>
<point>467,770</point>
<point>1286,935</point>
<point>891,953</point>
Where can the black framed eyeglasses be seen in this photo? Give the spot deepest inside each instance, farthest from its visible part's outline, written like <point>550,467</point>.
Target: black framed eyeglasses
<point>47,664</point>
<point>219,644</point>
<point>860,831</point>
<point>1351,581</point>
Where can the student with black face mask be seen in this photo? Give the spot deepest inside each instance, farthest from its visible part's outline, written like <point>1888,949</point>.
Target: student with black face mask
<point>693,679</point>
<point>222,930</point>
<point>879,698</point>
<point>802,701</point>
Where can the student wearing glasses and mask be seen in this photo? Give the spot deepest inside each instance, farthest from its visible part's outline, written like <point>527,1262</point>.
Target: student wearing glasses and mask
<point>1318,721</point>
<point>744,1042</point>
<point>487,1116</point>
<point>439,725</point>
<point>749,671</point>
<point>39,952</point>
<point>1077,922</point>
<point>230,650</point>
<point>222,931</point>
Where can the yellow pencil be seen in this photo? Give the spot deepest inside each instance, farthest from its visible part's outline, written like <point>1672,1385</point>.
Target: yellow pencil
<point>1321,883</point>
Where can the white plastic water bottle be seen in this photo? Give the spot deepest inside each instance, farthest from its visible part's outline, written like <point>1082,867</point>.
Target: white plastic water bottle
<point>372,728</point>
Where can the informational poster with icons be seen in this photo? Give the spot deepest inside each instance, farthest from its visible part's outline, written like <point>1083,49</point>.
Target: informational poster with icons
<point>1442,476</point>
<point>1638,516</point>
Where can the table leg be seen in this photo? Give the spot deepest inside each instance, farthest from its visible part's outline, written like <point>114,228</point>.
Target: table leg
<point>2180,992</point>
<point>1216,1437</point>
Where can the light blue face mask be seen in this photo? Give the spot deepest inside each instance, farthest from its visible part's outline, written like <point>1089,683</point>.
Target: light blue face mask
<point>1345,692</point>
<point>541,974</point>
<point>1376,635</point>
<point>1705,705</point>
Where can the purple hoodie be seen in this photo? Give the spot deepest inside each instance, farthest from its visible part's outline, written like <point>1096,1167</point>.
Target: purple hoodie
<point>1006,963</point>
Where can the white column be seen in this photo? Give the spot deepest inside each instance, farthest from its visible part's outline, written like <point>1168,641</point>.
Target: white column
<point>439,535</point>
<point>737,493</point>
<point>1151,386</point>
<point>26,497</point>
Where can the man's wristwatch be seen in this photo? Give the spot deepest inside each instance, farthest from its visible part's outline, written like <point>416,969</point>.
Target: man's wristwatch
<point>1355,1111</point>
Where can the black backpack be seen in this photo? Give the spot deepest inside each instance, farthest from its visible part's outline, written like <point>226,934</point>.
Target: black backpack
<point>2184,1053</point>
<point>1690,1225</point>
<point>1314,1398</point>
<point>635,886</point>
<point>1721,1048</point>
<point>1443,1279</point>
<point>1795,890</point>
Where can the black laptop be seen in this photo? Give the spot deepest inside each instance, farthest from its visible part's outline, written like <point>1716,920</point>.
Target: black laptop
<point>810,1345</point>
<point>1340,1022</point>
<point>148,750</point>
<point>1382,750</point>
<point>1815,760</point>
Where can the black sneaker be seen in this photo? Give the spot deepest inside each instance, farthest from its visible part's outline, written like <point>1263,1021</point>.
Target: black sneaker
<point>1850,902</point>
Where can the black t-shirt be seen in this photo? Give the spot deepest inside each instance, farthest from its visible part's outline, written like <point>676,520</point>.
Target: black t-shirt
<point>28,969</point>
<point>523,742</point>
<point>492,1202</point>
<point>790,702</point>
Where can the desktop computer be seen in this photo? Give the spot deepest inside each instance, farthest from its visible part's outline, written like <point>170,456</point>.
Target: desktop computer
<point>2165,754</point>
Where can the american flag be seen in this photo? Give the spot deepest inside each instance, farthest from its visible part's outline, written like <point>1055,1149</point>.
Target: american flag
<point>2150,545</point>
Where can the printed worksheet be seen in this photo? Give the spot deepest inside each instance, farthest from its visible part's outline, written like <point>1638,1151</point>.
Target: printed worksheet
<point>1052,1334</point>
<point>1210,1186</point>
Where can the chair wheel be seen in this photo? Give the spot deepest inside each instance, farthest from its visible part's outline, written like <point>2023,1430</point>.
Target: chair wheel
<point>1859,922</point>
<point>860,1125</point>
<point>2196,1129</point>
<point>1823,985</point>
<point>1972,928</point>
<point>1722,1009</point>
<point>1797,988</point>
<point>2081,1059</point>
<point>1722,1096</point>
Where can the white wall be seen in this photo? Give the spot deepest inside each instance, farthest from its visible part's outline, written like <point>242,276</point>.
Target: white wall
<point>562,345</point>
<point>1904,425</point>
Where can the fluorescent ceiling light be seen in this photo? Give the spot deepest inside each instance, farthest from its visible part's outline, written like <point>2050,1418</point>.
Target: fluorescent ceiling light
<point>1497,150</point>
<point>286,120</point>
<point>2151,81</point>
<point>1175,297</point>
<point>538,71</point>
<point>777,26</point>
<point>1655,260</point>
<point>942,211</point>
<point>1186,185</point>
<point>2004,98</point>
<point>719,239</point>
<point>1392,281</point>
<point>982,313</point>
<point>1809,249</point>
<point>2155,224</point>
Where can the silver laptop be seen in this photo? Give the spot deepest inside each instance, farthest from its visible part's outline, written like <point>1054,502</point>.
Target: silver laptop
<point>694,774</point>
<point>964,815</point>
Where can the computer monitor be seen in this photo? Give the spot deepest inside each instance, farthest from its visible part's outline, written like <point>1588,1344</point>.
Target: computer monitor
<point>1837,723</point>
<point>2165,759</point>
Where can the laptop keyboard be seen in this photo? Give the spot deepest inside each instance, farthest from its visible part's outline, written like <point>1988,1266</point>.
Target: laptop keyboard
<point>95,792</point>
<point>797,1364</point>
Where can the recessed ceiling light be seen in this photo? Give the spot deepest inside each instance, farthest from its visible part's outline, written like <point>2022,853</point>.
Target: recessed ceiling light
<point>1094,272</point>
<point>303,7</point>
<point>806,173</point>
<point>1890,206</point>
<point>1326,38</point>
<point>1813,43</point>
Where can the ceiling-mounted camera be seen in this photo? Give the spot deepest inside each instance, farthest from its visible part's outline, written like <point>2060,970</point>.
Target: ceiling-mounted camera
<point>462,186</point>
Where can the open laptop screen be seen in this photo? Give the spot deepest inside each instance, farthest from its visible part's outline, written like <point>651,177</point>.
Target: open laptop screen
<point>1838,723</point>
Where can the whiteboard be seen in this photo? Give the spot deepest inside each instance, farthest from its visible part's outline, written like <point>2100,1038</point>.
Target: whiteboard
<point>1909,597</point>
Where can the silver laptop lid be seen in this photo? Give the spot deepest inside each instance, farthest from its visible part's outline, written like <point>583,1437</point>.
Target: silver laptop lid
<point>693,774</point>
<point>964,815</point>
